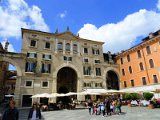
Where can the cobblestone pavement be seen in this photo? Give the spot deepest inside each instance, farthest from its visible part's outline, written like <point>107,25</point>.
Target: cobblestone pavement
<point>129,113</point>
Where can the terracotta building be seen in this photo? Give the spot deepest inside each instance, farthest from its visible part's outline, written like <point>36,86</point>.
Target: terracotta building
<point>140,65</point>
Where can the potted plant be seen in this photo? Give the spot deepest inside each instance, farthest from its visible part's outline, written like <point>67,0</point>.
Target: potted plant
<point>128,97</point>
<point>148,96</point>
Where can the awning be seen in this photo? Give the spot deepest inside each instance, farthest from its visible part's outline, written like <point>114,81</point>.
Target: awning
<point>148,88</point>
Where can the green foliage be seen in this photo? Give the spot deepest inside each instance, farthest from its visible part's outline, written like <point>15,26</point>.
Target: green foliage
<point>128,96</point>
<point>147,95</point>
<point>134,96</point>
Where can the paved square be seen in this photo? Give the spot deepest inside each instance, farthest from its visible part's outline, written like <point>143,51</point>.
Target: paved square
<point>129,113</point>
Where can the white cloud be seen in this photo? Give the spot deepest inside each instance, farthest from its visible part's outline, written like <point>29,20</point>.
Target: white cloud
<point>10,47</point>
<point>62,15</point>
<point>158,5</point>
<point>119,36</point>
<point>16,14</point>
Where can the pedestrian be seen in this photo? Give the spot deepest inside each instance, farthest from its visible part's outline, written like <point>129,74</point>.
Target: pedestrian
<point>34,112</point>
<point>90,106</point>
<point>12,112</point>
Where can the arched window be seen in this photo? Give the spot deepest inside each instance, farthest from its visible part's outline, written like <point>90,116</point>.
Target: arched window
<point>151,63</point>
<point>141,66</point>
<point>74,47</point>
<point>60,46</point>
<point>68,46</point>
<point>148,50</point>
<point>130,69</point>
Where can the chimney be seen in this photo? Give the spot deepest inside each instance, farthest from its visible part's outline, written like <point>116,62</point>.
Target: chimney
<point>151,35</point>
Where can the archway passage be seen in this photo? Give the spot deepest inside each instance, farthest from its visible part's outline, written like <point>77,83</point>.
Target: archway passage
<point>66,82</point>
<point>112,80</point>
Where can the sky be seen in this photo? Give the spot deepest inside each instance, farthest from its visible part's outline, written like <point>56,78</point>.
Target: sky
<point>121,24</point>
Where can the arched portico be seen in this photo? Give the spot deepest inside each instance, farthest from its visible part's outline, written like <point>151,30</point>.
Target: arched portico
<point>112,78</point>
<point>16,59</point>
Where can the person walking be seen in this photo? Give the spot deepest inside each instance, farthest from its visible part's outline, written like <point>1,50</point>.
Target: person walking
<point>12,112</point>
<point>34,112</point>
<point>90,106</point>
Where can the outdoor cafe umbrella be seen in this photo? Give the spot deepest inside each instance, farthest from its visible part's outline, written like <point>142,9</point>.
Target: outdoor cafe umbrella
<point>112,91</point>
<point>46,95</point>
<point>58,95</point>
<point>71,93</point>
<point>9,95</point>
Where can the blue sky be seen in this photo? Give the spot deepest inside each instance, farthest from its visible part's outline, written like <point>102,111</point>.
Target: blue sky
<point>119,23</point>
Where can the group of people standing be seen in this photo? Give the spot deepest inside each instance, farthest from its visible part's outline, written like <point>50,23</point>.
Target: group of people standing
<point>109,106</point>
<point>12,112</point>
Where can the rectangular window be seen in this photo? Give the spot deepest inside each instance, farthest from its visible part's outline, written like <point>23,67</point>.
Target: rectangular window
<point>85,50</point>
<point>125,84</point>
<point>144,81</point>
<point>86,70</point>
<point>97,52</point>
<point>139,54</point>
<point>98,71</point>
<point>45,84</point>
<point>67,58</point>
<point>132,83</point>
<point>28,83</point>
<point>31,55</point>
<point>97,61</point>
<point>148,50</point>
<point>123,72</point>
<point>47,45</point>
<point>30,67</point>
<point>121,60</point>
<point>87,84</point>
<point>128,58</point>
<point>85,60</point>
<point>98,84</point>
<point>47,57</point>
<point>33,43</point>
<point>46,68</point>
<point>155,78</point>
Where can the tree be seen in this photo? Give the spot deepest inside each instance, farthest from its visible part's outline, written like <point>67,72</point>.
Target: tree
<point>147,95</point>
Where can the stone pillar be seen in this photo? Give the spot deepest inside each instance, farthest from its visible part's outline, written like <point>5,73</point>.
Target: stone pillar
<point>17,93</point>
<point>79,89</point>
<point>71,53</point>
<point>64,46</point>
<point>54,88</point>
<point>56,45</point>
<point>78,48</point>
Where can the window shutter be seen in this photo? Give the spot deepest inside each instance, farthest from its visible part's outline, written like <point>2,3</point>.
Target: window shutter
<point>50,57</point>
<point>49,68</point>
<point>43,56</point>
<point>35,55</point>
<point>27,54</point>
<point>26,66</point>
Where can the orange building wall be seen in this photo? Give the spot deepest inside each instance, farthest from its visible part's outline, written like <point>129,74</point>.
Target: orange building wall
<point>137,74</point>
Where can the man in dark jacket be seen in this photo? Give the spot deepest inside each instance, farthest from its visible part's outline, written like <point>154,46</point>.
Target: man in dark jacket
<point>12,112</point>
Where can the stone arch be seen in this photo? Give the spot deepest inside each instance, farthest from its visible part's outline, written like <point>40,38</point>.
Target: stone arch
<point>113,70</point>
<point>13,62</point>
<point>67,65</point>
